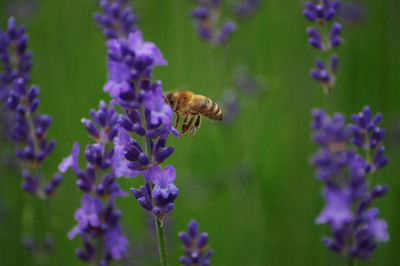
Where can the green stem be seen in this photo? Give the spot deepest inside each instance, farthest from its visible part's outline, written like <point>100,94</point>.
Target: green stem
<point>162,247</point>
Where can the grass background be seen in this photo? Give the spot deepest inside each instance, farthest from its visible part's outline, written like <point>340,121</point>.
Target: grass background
<point>249,184</point>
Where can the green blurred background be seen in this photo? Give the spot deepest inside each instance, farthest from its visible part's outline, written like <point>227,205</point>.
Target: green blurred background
<point>249,184</point>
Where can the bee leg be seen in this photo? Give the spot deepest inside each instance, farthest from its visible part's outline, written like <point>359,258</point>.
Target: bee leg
<point>190,127</point>
<point>198,121</point>
<point>185,127</point>
<point>184,123</point>
<point>178,117</point>
<point>194,127</point>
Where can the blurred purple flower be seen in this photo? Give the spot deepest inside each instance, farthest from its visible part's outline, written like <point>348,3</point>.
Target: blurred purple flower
<point>117,20</point>
<point>355,229</point>
<point>206,23</point>
<point>368,136</point>
<point>195,246</point>
<point>88,214</point>
<point>118,78</point>
<point>337,211</point>
<point>322,14</point>
<point>144,50</point>
<point>116,242</point>
<point>21,9</point>
<point>19,103</point>
<point>230,105</point>
<point>246,8</point>
<point>94,220</point>
<point>245,82</point>
<point>353,12</point>
<point>71,161</point>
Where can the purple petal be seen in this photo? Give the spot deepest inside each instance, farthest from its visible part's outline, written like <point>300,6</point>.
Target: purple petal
<point>70,161</point>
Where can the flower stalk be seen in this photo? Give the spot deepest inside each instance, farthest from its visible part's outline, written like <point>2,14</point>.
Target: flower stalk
<point>162,247</point>
<point>143,115</point>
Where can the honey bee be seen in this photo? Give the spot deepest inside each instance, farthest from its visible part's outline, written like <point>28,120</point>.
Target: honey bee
<point>191,106</point>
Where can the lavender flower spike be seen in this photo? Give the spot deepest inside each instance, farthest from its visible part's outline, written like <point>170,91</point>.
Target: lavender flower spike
<point>355,228</point>
<point>245,9</point>
<point>322,14</point>
<point>117,20</point>
<point>368,136</point>
<point>195,246</point>
<point>95,219</point>
<point>13,44</point>
<point>164,192</point>
<point>19,101</point>
<point>143,126</point>
<point>206,22</point>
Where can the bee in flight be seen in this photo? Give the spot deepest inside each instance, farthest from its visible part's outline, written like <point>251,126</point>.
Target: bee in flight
<point>191,106</point>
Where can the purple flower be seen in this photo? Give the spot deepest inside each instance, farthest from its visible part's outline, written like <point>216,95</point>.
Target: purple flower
<point>21,9</point>
<point>353,12</point>
<point>108,187</point>
<point>19,104</point>
<point>146,113</point>
<point>164,192</point>
<point>53,184</point>
<point>71,161</point>
<point>337,211</point>
<point>31,184</point>
<point>230,105</point>
<point>376,227</point>
<point>87,215</point>
<point>143,126</point>
<point>206,23</point>
<point>118,78</point>
<point>371,232</point>
<point>103,127</point>
<point>13,44</point>
<point>364,123</point>
<point>315,39</point>
<point>143,196</point>
<point>195,246</point>
<point>116,242</point>
<point>226,31</point>
<point>163,181</point>
<point>355,228</point>
<point>160,113</point>
<point>144,50</point>
<point>246,8</point>
<point>368,136</point>
<point>130,63</point>
<point>93,220</point>
<point>245,82</point>
<point>88,252</point>
<point>117,21</point>
<point>326,77</point>
<point>119,162</point>
<point>334,35</point>
<point>331,134</point>
<point>321,14</point>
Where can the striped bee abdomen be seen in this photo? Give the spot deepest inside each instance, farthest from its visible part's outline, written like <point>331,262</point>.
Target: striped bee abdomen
<point>210,109</point>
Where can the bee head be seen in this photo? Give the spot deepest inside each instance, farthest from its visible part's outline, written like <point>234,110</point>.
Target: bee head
<point>169,99</point>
